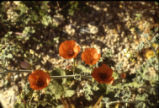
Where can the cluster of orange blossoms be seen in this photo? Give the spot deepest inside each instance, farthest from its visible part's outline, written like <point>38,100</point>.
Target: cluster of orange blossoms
<point>70,49</point>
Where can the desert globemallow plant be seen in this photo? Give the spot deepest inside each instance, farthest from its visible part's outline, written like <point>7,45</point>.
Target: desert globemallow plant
<point>90,56</point>
<point>69,49</point>
<point>103,74</point>
<point>39,79</point>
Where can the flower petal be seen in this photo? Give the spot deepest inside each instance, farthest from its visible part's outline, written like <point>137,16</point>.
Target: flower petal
<point>90,56</point>
<point>38,79</point>
<point>69,49</point>
<point>103,74</point>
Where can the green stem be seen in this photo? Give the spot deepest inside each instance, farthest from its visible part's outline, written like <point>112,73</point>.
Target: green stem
<point>74,64</point>
<point>30,99</point>
<point>55,77</point>
<point>92,67</point>
<point>114,102</point>
<point>39,93</point>
<point>14,71</point>
<point>71,76</point>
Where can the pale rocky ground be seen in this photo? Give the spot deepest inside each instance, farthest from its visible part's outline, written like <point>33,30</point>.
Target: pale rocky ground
<point>107,27</point>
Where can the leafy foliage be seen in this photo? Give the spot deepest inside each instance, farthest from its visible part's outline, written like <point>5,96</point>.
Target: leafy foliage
<point>33,30</point>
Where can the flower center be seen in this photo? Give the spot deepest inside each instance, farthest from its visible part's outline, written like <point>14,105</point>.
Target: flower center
<point>40,83</point>
<point>102,76</point>
<point>91,60</point>
<point>70,53</point>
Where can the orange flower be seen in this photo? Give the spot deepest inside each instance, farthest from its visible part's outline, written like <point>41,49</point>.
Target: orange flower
<point>90,56</point>
<point>123,75</point>
<point>69,49</point>
<point>39,79</point>
<point>103,74</point>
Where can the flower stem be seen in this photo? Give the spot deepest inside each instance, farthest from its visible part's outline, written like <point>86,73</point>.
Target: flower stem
<point>14,71</point>
<point>71,76</point>
<point>74,63</point>
<point>113,102</point>
<point>55,77</point>
<point>29,104</point>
